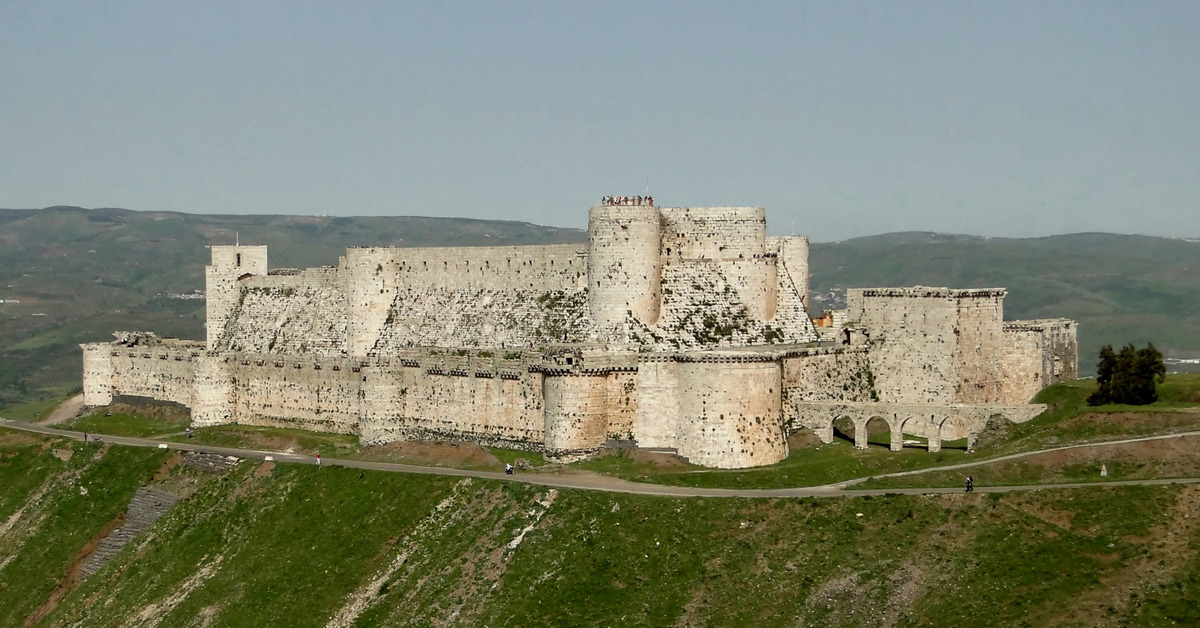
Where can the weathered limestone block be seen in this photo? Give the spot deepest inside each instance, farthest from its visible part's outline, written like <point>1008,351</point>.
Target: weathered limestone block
<point>504,320</point>
<point>289,314</point>
<point>1037,354</point>
<point>296,391</point>
<point>483,400</point>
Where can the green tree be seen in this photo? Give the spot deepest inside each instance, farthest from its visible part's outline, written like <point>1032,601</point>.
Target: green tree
<point>1129,377</point>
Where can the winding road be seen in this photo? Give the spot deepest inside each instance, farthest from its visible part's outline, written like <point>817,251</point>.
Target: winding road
<point>593,482</point>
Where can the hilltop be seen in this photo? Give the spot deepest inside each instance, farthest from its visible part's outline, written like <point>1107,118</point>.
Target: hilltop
<point>80,274</point>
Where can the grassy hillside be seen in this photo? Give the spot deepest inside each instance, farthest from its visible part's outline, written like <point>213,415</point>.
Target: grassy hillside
<point>284,545</point>
<point>1121,288</point>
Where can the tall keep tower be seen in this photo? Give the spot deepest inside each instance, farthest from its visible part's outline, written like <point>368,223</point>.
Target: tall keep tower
<point>229,263</point>
<point>624,263</point>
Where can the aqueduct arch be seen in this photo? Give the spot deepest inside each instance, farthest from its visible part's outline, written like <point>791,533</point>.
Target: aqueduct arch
<point>934,423</point>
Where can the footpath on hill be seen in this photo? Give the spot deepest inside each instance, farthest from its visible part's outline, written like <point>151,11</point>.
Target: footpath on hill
<point>595,482</point>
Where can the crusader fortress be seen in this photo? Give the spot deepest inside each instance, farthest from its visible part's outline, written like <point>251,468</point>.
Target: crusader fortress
<point>683,329</point>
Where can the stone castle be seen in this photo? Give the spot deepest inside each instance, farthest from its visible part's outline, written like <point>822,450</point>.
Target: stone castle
<point>681,329</point>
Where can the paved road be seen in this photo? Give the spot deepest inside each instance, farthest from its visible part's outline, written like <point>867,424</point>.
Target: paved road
<point>616,485</point>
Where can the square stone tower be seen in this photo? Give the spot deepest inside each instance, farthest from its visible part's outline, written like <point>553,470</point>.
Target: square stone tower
<point>229,264</point>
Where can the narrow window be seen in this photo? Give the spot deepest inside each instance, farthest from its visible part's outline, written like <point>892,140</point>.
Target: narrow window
<point>239,260</point>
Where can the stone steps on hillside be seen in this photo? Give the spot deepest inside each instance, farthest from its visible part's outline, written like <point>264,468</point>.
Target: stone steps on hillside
<point>210,463</point>
<point>146,507</point>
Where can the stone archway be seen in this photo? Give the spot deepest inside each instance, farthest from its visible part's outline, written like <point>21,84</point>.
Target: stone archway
<point>952,432</point>
<point>918,425</point>
<point>842,428</point>
<point>870,430</point>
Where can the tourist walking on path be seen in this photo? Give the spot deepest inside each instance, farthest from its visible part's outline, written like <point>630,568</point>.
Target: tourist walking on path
<point>970,484</point>
<point>318,458</point>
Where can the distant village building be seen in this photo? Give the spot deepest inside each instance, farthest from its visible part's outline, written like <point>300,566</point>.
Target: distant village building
<point>681,328</point>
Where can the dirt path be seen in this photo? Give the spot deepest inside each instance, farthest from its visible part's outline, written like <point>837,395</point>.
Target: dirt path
<point>596,482</point>
<point>65,410</point>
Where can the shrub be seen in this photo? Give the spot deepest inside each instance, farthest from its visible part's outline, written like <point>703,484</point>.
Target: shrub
<point>1129,377</point>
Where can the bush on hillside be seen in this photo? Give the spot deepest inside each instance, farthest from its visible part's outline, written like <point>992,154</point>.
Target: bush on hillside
<point>1129,377</point>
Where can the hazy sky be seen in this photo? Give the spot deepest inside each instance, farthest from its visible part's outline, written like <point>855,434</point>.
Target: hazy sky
<point>1005,118</point>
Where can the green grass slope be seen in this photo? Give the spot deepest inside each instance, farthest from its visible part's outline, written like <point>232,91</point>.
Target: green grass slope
<point>1121,288</point>
<point>287,545</point>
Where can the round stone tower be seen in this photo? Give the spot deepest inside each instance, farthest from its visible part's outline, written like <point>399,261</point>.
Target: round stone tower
<point>624,263</point>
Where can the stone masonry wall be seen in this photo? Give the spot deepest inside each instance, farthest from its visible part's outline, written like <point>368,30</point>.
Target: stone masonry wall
<point>212,390</point>
<point>1038,354</point>
<point>97,374</point>
<point>482,399</point>
<point>376,277</point>
<point>658,412</point>
<point>730,414</point>
<point>576,412</point>
<point>733,238</point>
<point>296,313</point>
<point>715,411</point>
<point>828,374</point>
<point>162,372</point>
<point>792,253</point>
<point>979,342</point>
<point>913,341</point>
<point>503,319</point>
<point>303,391</point>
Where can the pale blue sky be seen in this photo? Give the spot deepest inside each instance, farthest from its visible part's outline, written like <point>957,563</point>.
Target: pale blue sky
<point>990,118</point>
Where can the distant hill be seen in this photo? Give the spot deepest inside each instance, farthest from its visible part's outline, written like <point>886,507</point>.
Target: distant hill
<point>81,273</point>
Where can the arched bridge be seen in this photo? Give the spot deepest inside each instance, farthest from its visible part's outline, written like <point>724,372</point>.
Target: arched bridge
<point>935,423</point>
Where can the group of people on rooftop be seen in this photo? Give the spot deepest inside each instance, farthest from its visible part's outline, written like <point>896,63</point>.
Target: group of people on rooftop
<point>627,200</point>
